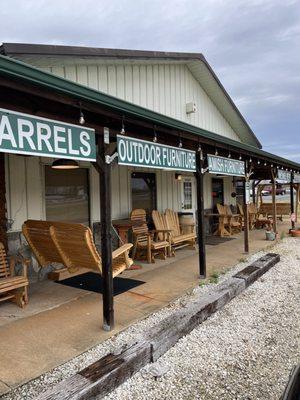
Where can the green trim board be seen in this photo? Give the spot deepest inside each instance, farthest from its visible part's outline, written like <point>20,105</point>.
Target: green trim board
<point>142,153</point>
<point>18,70</point>
<point>36,136</point>
<point>225,166</point>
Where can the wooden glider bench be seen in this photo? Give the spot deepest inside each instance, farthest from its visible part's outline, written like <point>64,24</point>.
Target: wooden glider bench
<point>178,239</point>
<point>71,245</point>
<point>13,286</point>
<point>282,209</point>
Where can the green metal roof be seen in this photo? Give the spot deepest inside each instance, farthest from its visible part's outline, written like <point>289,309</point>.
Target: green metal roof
<point>21,71</point>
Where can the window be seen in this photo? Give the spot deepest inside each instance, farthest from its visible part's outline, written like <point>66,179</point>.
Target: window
<point>143,191</point>
<point>217,192</point>
<point>67,195</point>
<point>187,195</point>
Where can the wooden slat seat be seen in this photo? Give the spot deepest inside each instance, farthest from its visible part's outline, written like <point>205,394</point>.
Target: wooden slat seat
<point>177,237</point>
<point>147,243</point>
<point>77,249</point>
<point>13,286</point>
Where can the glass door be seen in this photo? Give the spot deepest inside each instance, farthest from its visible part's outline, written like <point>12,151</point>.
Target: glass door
<point>188,195</point>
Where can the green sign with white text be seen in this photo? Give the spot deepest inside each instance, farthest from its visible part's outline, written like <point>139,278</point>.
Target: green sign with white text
<point>297,178</point>
<point>37,136</point>
<point>141,153</point>
<point>284,175</point>
<point>225,166</point>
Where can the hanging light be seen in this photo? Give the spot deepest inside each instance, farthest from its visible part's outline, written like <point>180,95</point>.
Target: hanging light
<point>271,165</point>
<point>265,163</point>
<point>81,116</point>
<point>250,160</point>
<point>229,155</point>
<point>154,135</point>
<point>216,152</point>
<point>180,143</point>
<point>64,163</point>
<point>122,131</point>
<point>258,162</point>
<point>240,157</point>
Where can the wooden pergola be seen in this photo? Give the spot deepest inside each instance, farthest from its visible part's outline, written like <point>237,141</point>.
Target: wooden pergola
<point>26,89</point>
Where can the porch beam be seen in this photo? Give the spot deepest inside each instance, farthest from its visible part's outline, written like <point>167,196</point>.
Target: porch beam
<point>200,213</point>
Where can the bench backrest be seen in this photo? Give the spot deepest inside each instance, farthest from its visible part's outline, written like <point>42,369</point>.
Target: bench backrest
<point>172,221</point>
<point>160,222</point>
<point>76,246</point>
<point>4,268</point>
<point>37,234</point>
<point>141,228</point>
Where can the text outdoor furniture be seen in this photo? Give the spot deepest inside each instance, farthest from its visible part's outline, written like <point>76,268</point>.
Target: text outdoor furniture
<point>146,243</point>
<point>177,237</point>
<point>13,286</point>
<point>76,247</point>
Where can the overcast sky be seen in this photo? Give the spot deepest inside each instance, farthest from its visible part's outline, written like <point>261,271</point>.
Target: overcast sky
<point>253,46</point>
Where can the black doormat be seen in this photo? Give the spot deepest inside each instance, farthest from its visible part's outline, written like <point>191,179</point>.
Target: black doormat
<point>94,283</point>
<point>215,240</point>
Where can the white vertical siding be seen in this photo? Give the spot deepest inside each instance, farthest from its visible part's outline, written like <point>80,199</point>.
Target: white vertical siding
<point>164,88</point>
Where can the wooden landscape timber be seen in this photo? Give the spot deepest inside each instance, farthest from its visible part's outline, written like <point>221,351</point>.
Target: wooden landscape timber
<point>106,374</point>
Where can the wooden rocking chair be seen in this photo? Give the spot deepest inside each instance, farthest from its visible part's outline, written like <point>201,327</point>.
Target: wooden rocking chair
<point>13,286</point>
<point>76,247</point>
<point>146,244</point>
<point>177,237</point>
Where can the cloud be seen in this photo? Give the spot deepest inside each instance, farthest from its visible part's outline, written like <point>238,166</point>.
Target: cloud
<point>253,46</point>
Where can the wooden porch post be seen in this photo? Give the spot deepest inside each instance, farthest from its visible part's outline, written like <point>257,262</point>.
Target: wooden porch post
<point>292,198</point>
<point>274,201</point>
<point>3,220</point>
<point>246,212</point>
<point>200,214</point>
<point>253,192</point>
<point>104,170</point>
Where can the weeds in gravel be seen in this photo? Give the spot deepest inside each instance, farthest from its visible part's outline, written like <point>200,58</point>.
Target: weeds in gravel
<point>214,277</point>
<point>242,260</point>
<point>282,236</point>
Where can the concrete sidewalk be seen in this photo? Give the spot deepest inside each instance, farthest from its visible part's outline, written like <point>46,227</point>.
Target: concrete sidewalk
<point>60,323</point>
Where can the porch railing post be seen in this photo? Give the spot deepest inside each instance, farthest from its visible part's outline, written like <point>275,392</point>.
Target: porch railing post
<point>292,198</point>
<point>106,247</point>
<point>200,213</point>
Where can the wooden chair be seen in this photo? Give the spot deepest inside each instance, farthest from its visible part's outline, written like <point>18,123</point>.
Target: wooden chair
<point>13,286</point>
<point>145,243</point>
<point>177,237</point>
<point>77,249</point>
<point>161,226</point>
<point>235,221</point>
<point>224,228</point>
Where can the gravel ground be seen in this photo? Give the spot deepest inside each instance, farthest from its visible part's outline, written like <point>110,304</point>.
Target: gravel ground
<point>244,351</point>
<point>233,346</point>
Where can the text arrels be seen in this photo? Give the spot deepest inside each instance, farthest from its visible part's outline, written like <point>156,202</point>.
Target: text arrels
<point>39,136</point>
<point>155,155</point>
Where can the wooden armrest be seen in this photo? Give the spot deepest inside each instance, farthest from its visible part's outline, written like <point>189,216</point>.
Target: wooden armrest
<point>121,250</point>
<point>161,230</point>
<point>14,259</point>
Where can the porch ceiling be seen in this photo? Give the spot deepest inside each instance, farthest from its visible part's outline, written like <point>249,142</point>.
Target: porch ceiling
<point>60,90</point>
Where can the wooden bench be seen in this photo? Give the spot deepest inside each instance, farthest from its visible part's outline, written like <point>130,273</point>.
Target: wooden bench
<point>177,237</point>
<point>266,209</point>
<point>13,286</point>
<point>49,246</point>
<point>77,249</point>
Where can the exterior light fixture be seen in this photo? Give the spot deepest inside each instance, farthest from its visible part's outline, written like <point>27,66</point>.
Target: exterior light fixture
<point>250,160</point>
<point>229,155</point>
<point>240,157</point>
<point>271,165</point>
<point>122,131</point>
<point>216,152</point>
<point>180,143</point>
<point>258,162</point>
<point>154,135</point>
<point>64,163</point>
<point>178,177</point>
<point>265,164</point>
<point>81,116</point>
